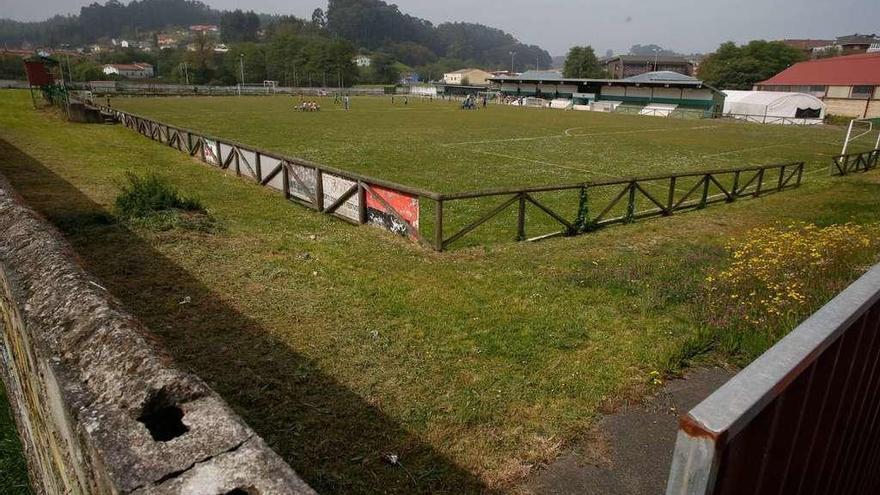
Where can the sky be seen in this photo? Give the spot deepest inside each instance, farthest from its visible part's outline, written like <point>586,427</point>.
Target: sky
<point>687,26</point>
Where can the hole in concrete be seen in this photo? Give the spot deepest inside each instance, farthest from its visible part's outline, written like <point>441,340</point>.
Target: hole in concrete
<point>243,491</point>
<point>162,418</point>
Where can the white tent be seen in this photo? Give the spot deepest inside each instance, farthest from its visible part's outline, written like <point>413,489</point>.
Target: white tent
<point>774,107</point>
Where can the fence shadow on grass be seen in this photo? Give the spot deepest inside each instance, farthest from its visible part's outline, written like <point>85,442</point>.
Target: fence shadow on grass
<point>329,435</point>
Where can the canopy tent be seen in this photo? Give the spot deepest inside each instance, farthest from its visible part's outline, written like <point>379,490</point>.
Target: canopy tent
<point>774,107</point>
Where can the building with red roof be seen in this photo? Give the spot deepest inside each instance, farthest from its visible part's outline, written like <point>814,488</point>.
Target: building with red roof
<point>849,85</point>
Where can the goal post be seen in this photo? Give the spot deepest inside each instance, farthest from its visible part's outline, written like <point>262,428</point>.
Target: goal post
<point>858,129</point>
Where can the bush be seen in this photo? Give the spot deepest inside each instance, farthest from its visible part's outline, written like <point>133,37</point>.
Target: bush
<point>151,201</point>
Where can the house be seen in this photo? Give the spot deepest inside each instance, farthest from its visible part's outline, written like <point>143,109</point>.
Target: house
<point>808,46</point>
<point>166,41</point>
<point>467,77</point>
<point>849,85</point>
<point>205,28</point>
<point>623,66</point>
<point>856,43</point>
<point>363,61</point>
<point>137,70</point>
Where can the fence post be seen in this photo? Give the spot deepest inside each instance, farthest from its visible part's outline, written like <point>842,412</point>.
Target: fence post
<point>705,197</point>
<point>760,182</point>
<point>362,203</point>
<point>258,166</point>
<point>319,189</point>
<point>438,226</point>
<point>521,218</point>
<point>285,177</point>
<point>781,178</point>
<point>800,173</point>
<point>631,203</point>
<point>733,192</point>
<point>671,199</point>
<point>189,142</point>
<point>237,151</point>
<point>219,156</point>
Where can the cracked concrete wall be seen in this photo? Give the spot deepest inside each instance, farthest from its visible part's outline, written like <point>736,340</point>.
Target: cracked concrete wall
<point>100,406</point>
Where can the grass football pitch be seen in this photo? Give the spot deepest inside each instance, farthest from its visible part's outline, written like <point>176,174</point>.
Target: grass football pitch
<point>434,145</point>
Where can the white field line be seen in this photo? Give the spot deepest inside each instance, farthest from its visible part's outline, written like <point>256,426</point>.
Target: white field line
<point>567,133</point>
<point>743,150</point>
<point>587,170</point>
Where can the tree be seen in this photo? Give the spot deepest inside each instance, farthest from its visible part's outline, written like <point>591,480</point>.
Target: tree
<point>238,26</point>
<point>318,18</point>
<point>650,51</point>
<point>582,63</point>
<point>740,67</point>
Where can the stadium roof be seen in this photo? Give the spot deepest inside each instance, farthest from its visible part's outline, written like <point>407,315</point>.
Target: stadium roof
<point>851,70</point>
<point>660,76</point>
<point>647,59</point>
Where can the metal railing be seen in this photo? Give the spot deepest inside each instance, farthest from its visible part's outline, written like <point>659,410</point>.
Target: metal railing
<point>855,162</point>
<point>670,113</point>
<point>709,187</point>
<point>803,418</point>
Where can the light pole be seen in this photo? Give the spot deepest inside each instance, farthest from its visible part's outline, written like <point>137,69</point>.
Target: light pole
<point>512,54</point>
<point>241,67</point>
<point>656,58</point>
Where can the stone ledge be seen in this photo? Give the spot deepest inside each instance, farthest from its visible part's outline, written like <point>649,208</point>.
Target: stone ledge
<point>100,406</point>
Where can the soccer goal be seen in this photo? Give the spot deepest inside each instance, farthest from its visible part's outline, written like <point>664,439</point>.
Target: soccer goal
<point>860,130</point>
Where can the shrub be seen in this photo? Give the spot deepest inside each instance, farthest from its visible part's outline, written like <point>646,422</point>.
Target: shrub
<point>151,201</point>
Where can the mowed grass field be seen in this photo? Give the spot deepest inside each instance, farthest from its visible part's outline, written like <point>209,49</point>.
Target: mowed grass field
<point>439,147</point>
<point>342,345</point>
<point>435,145</point>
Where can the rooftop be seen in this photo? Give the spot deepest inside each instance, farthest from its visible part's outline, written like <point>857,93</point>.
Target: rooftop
<point>861,69</point>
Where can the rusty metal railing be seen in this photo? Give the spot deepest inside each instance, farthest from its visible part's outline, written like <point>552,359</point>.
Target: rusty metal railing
<point>803,418</point>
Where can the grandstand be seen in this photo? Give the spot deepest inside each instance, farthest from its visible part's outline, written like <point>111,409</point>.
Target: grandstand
<point>654,93</point>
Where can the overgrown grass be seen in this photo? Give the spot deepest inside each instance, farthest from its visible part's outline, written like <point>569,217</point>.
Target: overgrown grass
<point>341,344</point>
<point>13,468</point>
<point>152,202</point>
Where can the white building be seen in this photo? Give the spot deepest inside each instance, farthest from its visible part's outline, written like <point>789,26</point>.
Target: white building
<point>363,61</point>
<point>131,71</point>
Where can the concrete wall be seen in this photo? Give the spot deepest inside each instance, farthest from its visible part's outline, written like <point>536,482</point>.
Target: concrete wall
<point>100,406</point>
<point>853,108</point>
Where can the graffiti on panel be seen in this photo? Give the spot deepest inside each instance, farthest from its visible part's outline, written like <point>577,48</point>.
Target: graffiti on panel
<point>406,206</point>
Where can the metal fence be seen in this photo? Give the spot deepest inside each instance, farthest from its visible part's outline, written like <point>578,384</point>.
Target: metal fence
<point>803,418</point>
<point>855,162</point>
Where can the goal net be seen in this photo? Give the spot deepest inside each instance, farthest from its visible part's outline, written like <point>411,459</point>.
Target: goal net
<point>861,133</point>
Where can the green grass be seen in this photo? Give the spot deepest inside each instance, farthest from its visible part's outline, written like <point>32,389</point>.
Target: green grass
<point>13,468</point>
<point>437,146</point>
<point>342,344</point>
<point>434,145</point>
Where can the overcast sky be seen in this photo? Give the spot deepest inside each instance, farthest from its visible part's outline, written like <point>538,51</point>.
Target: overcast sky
<point>682,25</point>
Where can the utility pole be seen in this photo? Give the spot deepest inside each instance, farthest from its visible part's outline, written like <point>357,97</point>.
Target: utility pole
<point>512,54</point>
<point>656,58</point>
<point>241,67</point>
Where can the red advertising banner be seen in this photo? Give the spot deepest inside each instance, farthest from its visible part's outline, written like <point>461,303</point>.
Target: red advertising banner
<point>405,205</point>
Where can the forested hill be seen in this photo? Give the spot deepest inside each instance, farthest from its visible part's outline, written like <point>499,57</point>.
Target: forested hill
<point>110,20</point>
<point>369,24</point>
<point>375,24</point>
